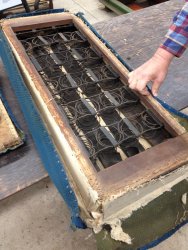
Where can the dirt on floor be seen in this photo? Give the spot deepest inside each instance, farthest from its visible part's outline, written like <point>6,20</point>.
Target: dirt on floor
<point>37,218</point>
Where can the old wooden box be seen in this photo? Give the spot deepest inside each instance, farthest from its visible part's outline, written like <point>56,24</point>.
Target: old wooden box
<point>112,141</point>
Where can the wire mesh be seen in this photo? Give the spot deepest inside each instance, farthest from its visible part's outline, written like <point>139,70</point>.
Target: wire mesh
<point>106,116</point>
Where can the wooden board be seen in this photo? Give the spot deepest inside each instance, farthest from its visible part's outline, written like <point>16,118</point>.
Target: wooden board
<point>65,139</point>
<point>22,167</point>
<point>124,34</point>
<point>137,35</point>
<point>9,137</point>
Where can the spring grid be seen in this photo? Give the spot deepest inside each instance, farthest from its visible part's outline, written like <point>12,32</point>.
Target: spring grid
<point>106,116</point>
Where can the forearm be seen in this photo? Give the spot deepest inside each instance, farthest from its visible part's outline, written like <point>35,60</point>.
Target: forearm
<point>156,68</point>
<point>176,40</point>
<point>163,55</point>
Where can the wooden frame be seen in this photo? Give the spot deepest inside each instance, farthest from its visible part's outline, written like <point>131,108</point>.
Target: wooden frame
<point>96,189</point>
<point>24,159</point>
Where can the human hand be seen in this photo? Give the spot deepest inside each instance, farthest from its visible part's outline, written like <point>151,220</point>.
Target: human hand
<point>154,70</point>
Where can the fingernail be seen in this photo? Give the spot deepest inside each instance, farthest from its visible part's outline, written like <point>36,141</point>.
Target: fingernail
<point>155,94</point>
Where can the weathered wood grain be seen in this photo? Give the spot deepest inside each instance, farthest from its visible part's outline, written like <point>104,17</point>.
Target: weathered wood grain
<point>146,166</point>
<point>22,167</point>
<point>8,135</point>
<point>111,181</point>
<point>137,35</point>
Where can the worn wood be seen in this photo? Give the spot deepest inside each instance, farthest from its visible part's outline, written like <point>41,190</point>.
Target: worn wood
<point>65,18</point>
<point>137,166</point>
<point>146,166</point>
<point>20,25</point>
<point>170,123</point>
<point>8,135</point>
<point>137,35</point>
<point>22,167</point>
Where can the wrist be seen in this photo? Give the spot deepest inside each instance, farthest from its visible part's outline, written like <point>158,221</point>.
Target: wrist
<point>163,55</point>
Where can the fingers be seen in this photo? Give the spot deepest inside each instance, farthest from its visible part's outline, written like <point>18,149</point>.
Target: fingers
<point>155,87</point>
<point>138,85</point>
<point>154,70</point>
<point>144,92</point>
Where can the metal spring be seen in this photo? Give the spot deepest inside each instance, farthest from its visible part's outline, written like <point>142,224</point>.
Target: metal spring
<point>107,117</point>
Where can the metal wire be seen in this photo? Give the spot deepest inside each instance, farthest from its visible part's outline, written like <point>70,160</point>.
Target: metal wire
<point>104,114</point>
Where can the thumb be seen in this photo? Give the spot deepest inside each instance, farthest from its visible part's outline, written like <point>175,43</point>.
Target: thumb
<point>155,87</point>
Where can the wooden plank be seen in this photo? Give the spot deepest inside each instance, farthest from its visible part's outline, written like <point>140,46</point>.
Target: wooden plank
<point>170,123</point>
<point>22,167</point>
<point>16,170</point>
<point>8,135</point>
<point>65,139</point>
<point>146,166</point>
<point>137,35</point>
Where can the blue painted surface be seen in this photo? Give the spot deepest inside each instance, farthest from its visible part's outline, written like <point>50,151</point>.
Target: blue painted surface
<point>43,142</point>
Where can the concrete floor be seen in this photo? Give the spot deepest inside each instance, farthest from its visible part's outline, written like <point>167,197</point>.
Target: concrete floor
<point>94,11</point>
<point>37,217</point>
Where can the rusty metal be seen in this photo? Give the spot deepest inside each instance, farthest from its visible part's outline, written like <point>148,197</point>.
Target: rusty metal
<point>101,110</point>
<point>82,85</point>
